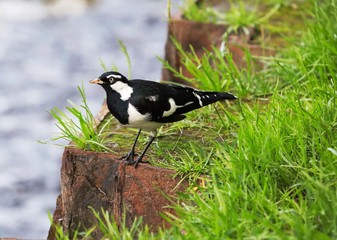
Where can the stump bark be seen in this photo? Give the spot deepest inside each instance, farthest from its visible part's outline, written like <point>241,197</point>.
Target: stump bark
<point>99,181</point>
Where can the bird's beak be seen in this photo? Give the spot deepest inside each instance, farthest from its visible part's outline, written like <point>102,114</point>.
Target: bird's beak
<point>96,81</point>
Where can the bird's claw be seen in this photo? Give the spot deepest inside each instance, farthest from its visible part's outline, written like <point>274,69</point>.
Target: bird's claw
<point>134,162</point>
<point>128,157</point>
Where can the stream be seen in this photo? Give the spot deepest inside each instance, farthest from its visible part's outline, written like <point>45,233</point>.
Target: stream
<point>47,49</point>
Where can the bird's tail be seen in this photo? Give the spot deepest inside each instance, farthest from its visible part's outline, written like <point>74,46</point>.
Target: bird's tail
<point>227,96</point>
<point>194,99</point>
<point>211,97</point>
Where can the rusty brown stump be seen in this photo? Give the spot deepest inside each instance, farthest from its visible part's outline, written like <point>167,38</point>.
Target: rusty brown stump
<point>100,181</point>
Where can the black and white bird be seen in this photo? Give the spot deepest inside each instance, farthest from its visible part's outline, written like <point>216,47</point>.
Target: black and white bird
<point>147,105</point>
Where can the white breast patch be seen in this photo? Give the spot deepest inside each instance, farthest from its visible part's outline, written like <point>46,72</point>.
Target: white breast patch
<point>135,115</point>
<point>141,121</point>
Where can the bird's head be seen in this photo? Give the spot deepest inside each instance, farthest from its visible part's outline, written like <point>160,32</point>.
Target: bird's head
<point>109,78</point>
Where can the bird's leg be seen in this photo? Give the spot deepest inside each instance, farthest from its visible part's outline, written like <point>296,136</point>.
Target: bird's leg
<point>128,158</point>
<point>146,148</point>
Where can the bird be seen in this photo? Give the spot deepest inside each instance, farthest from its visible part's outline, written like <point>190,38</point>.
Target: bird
<point>147,105</point>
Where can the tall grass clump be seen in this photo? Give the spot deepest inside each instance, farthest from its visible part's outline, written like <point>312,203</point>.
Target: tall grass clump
<point>107,227</point>
<point>79,126</point>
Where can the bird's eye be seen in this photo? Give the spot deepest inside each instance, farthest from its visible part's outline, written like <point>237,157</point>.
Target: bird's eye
<point>111,80</point>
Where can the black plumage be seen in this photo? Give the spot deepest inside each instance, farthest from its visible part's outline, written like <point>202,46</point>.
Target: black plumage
<point>147,105</point>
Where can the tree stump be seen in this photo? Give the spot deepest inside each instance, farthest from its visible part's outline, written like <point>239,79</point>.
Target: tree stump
<point>203,36</point>
<point>99,181</point>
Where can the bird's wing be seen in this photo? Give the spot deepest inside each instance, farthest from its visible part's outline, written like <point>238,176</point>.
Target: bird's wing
<point>167,102</point>
<point>157,107</point>
<point>155,99</point>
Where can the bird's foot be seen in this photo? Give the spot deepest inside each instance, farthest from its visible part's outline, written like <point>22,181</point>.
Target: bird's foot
<point>134,162</point>
<point>128,157</point>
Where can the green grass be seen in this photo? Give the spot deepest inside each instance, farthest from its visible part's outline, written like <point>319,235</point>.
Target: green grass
<point>268,165</point>
<point>79,127</point>
<point>240,15</point>
<point>217,71</point>
<point>279,179</point>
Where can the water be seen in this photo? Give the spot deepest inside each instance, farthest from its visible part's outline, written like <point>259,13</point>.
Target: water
<point>46,50</point>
